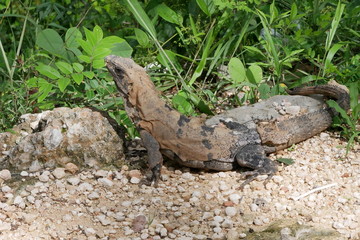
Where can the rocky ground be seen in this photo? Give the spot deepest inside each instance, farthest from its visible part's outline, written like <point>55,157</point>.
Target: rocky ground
<point>317,197</point>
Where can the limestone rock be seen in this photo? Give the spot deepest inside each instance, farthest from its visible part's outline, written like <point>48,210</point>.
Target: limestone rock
<point>55,138</point>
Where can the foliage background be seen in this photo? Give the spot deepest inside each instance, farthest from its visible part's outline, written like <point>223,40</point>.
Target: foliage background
<point>203,54</point>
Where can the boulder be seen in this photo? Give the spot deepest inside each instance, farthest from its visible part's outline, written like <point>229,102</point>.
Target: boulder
<point>54,138</point>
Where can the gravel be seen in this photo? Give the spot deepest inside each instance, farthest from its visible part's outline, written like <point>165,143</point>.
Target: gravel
<point>320,192</point>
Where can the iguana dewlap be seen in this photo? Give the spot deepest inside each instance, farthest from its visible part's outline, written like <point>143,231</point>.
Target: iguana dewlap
<point>188,140</point>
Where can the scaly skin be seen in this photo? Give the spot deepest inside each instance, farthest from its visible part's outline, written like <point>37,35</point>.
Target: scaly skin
<point>189,141</point>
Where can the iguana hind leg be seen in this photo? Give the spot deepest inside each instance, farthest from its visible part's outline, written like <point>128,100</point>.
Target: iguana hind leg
<point>253,156</point>
<point>155,160</point>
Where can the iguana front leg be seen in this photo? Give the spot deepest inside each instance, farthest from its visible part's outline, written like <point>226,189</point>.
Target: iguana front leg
<point>155,160</point>
<point>253,156</point>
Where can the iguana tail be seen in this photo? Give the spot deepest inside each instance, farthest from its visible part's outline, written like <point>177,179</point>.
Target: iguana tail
<point>332,91</point>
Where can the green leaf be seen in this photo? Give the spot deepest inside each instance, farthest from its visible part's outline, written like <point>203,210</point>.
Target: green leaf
<point>91,38</point>
<point>237,70</point>
<point>331,54</point>
<point>86,45</point>
<point>142,37</point>
<point>254,74</point>
<point>78,67</point>
<point>207,6</point>
<point>182,104</point>
<point>71,36</point>
<point>264,90</point>
<point>85,58</point>
<point>293,12</point>
<point>255,50</point>
<point>141,17</point>
<point>98,63</point>
<point>168,14</point>
<point>122,49</point>
<point>109,42</point>
<point>48,71</point>
<point>78,77</point>
<point>98,33</point>
<point>273,12</point>
<point>101,53</point>
<point>89,74</point>
<point>341,111</point>
<point>44,91</point>
<point>64,67</point>
<point>50,40</point>
<point>63,83</point>
<point>287,161</point>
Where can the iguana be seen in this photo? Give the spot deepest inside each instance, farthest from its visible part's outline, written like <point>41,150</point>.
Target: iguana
<point>192,143</point>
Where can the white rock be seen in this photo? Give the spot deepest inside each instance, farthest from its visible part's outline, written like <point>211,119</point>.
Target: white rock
<point>135,180</point>
<point>119,216</point>
<point>93,196</point>
<point>59,173</point>
<point>73,181</point>
<point>44,177</point>
<point>217,229</point>
<point>24,174</point>
<point>5,226</point>
<point>6,189</point>
<point>101,173</point>
<point>19,201</point>
<point>103,220</point>
<point>105,182</point>
<point>163,232</point>
<point>126,204</point>
<point>218,219</point>
<point>67,218</point>
<point>5,174</point>
<point>89,232</point>
<point>188,176</point>
<point>230,211</point>
<point>31,199</point>
<point>85,186</point>
<point>235,198</point>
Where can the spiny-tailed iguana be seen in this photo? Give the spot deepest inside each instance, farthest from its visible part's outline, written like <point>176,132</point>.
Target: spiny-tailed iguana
<point>192,143</point>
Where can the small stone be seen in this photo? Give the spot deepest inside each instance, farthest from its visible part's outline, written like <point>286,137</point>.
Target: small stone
<point>188,176</point>
<point>218,219</point>
<point>5,226</point>
<point>103,220</point>
<point>217,229</point>
<point>126,204</point>
<point>24,174</point>
<point>73,181</point>
<point>101,173</point>
<point>232,235</point>
<point>85,187</point>
<point>293,110</point>
<point>72,168</point>
<point>5,174</point>
<point>19,201</point>
<point>93,196</point>
<point>105,182</point>
<point>135,180</point>
<point>44,177</point>
<point>235,198</point>
<point>230,211</point>
<point>119,216</point>
<point>89,232</point>
<point>228,204</point>
<point>139,223</point>
<point>6,189</point>
<point>59,173</point>
<point>29,218</point>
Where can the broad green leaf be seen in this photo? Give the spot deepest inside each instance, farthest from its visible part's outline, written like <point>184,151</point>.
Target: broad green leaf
<point>122,49</point>
<point>255,50</point>
<point>91,37</point>
<point>78,67</point>
<point>101,53</point>
<point>89,74</point>
<point>86,45</point>
<point>264,90</point>
<point>44,91</point>
<point>293,12</point>
<point>98,63</point>
<point>64,67</point>
<point>207,6</point>
<point>71,36</point>
<point>98,33</point>
<point>236,70</point>
<point>254,74</point>
<point>35,82</point>
<point>182,104</point>
<point>85,58</point>
<point>94,83</point>
<point>78,77</point>
<point>109,42</point>
<point>51,41</point>
<point>287,161</point>
<point>168,14</point>
<point>48,71</point>
<point>63,83</point>
<point>142,37</point>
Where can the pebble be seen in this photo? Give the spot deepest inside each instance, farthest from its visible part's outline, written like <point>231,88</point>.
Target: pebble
<point>105,182</point>
<point>59,173</point>
<point>93,196</point>
<point>235,198</point>
<point>230,211</point>
<point>135,180</point>
<point>72,168</point>
<point>5,174</point>
<point>103,220</point>
<point>73,181</point>
<point>24,174</point>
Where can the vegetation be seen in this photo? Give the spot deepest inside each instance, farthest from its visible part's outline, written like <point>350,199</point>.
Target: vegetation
<point>51,52</point>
